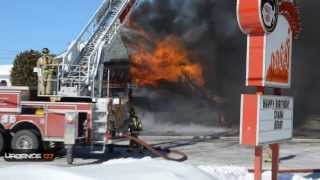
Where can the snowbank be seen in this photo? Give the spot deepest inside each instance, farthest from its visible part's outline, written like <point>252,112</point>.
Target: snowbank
<point>34,172</point>
<point>238,173</point>
<point>122,169</point>
<point>143,169</point>
<point>227,172</point>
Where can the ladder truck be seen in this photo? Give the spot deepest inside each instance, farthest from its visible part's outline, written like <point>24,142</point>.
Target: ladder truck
<point>91,90</point>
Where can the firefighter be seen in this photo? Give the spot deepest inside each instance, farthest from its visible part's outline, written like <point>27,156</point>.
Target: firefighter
<point>46,65</point>
<point>135,126</point>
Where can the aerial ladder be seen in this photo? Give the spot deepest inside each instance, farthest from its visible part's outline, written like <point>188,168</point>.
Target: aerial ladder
<point>80,68</point>
<point>81,72</point>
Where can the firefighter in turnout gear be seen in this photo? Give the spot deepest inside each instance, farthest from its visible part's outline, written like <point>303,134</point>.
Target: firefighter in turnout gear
<point>47,71</point>
<point>135,126</point>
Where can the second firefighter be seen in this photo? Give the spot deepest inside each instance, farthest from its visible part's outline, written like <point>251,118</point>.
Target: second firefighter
<point>135,127</point>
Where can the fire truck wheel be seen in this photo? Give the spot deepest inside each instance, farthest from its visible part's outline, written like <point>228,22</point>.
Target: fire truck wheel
<point>25,139</point>
<point>1,143</point>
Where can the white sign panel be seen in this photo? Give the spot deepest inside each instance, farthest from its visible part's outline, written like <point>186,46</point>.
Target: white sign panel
<point>265,119</point>
<point>278,54</point>
<point>275,119</point>
<point>269,57</point>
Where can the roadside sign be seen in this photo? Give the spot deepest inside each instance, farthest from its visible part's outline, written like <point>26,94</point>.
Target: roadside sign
<point>270,26</point>
<point>265,119</point>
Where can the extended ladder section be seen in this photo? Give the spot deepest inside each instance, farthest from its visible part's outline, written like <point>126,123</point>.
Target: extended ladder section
<point>82,61</point>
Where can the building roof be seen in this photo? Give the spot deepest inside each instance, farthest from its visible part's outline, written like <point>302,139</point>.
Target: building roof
<point>5,69</point>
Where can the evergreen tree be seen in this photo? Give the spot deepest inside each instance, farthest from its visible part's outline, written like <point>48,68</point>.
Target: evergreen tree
<point>22,72</point>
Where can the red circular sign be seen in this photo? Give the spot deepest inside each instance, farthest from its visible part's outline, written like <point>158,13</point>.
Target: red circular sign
<point>257,16</point>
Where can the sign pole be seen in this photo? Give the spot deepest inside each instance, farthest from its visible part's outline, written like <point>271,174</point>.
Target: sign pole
<point>275,160</point>
<point>258,151</point>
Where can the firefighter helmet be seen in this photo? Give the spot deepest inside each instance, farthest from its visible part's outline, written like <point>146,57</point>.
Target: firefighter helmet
<point>132,111</point>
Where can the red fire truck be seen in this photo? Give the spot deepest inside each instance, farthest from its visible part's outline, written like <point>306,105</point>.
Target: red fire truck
<point>90,88</point>
<point>28,124</point>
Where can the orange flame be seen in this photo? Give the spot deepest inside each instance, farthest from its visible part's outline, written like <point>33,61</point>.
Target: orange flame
<point>168,61</point>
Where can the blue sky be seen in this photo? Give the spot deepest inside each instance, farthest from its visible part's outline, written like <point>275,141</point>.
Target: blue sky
<point>34,24</point>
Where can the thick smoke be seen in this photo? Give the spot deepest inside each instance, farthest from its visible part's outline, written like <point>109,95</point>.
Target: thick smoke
<point>210,32</point>
<point>306,74</point>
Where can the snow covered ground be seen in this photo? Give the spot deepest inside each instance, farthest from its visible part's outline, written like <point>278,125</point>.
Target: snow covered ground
<point>208,158</point>
<point>140,169</point>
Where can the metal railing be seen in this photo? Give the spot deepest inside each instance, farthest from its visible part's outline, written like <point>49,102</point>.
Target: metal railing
<point>106,44</point>
<point>111,27</point>
<point>56,78</point>
<point>86,34</point>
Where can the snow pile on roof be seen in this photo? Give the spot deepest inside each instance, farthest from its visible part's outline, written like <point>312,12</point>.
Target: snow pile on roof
<point>5,69</point>
<point>124,169</point>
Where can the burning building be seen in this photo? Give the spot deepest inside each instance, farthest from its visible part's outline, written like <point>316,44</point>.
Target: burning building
<point>188,56</point>
<point>174,47</point>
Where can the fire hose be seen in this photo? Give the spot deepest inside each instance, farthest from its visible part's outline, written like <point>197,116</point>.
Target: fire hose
<point>185,157</point>
<point>157,152</point>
